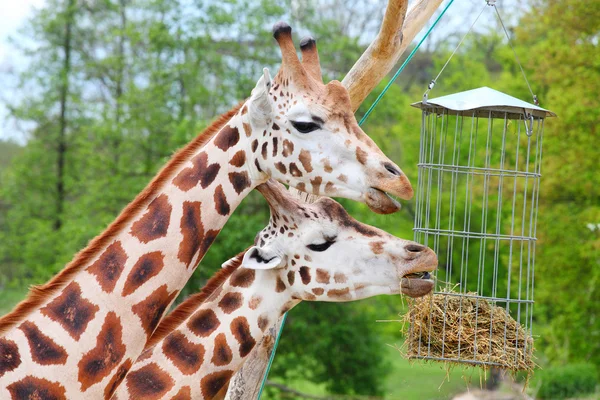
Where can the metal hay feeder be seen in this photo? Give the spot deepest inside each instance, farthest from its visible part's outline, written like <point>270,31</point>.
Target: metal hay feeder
<point>476,207</point>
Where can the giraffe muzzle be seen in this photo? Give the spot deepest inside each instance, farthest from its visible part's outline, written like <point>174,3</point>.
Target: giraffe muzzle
<point>380,202</point>
<point>418,281</point>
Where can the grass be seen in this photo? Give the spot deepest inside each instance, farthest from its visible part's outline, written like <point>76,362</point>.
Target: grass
<point>426,381</point>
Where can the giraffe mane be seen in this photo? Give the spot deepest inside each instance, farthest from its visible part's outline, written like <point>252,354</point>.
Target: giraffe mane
<point>191,304</point>
<point>38,294</point>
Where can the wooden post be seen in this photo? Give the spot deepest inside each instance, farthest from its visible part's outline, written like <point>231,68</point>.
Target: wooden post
<point>398,30</point>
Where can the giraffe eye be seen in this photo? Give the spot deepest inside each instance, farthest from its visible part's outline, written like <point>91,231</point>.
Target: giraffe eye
<point>305,127</point>
<point>321,246</point>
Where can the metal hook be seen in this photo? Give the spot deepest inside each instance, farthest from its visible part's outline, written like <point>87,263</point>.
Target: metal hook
<point>528,117</point>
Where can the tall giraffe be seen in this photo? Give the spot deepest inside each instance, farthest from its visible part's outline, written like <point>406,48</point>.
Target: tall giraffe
<point>77,335</point>
<point>314,252</point>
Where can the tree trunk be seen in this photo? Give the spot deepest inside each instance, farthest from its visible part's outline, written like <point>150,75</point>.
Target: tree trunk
<point>62,130</point>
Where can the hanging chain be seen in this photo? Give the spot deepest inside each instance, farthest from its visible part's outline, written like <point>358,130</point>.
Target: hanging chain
<point>434,80</point>
<point>489,3</point>
<point>535,99</point>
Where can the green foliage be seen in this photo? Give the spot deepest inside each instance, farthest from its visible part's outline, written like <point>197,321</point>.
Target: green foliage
<point>567,381</point>
<point>334,344</point>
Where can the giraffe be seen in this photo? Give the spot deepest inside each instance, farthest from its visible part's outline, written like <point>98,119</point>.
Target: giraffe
<point>77,335</point>
<point>311,252</point>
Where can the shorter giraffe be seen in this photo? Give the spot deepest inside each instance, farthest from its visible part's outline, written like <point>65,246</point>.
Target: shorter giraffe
<point>313,252</point>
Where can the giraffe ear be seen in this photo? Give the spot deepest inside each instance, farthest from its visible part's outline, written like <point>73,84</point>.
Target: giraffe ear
<point>261,106</point>
<point>262,258</point>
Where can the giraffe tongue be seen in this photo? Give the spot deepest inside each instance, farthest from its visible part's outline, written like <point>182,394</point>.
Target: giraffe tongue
<point>380,202</point>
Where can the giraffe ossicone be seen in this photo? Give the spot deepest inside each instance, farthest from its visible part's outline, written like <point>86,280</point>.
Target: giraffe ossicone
<point>310,252</point>
<point>97,313</point>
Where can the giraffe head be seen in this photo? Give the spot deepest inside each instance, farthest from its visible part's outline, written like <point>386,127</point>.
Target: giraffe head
<point>306,135</point>
<point>321,253</point>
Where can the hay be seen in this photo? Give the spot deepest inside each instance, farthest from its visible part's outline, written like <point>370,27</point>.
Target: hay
<point>467,330</point>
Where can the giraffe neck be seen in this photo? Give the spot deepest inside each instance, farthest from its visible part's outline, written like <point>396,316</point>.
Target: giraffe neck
<point>93,327</point>
<point>212,342</point>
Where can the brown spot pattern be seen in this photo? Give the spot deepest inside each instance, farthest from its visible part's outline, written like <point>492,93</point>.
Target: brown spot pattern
<point>318,291</point>
<point>339,278</point>
<point>32,388</point>
<point>211,384</point>
<point>280,286</point>
<point>327,166</point>
<point>263,150</point>
<point>221,204</point>
<point>263,322</point>
<point>222,354</point>
<point>322,276</point>
<point>294,171</point>
<point>247,129</point>
<point>343,178</point>
<point>254,145</point>
<point>98,363</point>
<point>117,378</point>
<point>243,277</point>
<point>361,155</point>
<point>241,331</point>
<point>281,167</point>
<point>288,148</point>
<point>109,266</point>
<point>192,230</point>
<point>377,247</point>
<point>44,350</point>
<point>254,302</point>
<point>151,309</point>
<point>256,163</point>
<point>185,355</point>
<point>149,382</point>
<point>155,222</point>
<point>9,356</point>
<point>149,265</point>
<point>239,180</point>
<point>185,393</point>
<point>309,296</point>
<point>71,311</point>
<point>339,293</point>
<point>275,148</point>
<point>203,322</point>
<point>209,238</point>
<point>231,302</point>
<point>227,138</point>
<point>306,160</point>
<point>305,275</point>
<point>291,275</point>
<point>201,173</point>
<point>316,184</point>
<point>238,159</point>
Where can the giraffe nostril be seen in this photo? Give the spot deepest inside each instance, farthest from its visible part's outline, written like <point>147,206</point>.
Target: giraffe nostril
<point>392,169</point>
<point>415,248</point>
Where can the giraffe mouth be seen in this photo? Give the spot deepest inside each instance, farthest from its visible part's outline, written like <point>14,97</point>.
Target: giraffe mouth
<point>381,202</point>
<point>419,283</point>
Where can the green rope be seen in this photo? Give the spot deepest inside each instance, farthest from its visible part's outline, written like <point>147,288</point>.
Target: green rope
<point>410,56</point>
<point>404,64</point>
<point>272,356</point>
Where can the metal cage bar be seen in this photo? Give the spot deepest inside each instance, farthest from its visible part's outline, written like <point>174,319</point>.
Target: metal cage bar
<point>476,207</point>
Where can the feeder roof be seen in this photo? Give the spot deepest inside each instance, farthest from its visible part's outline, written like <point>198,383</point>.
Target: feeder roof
<point>480,102</point>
